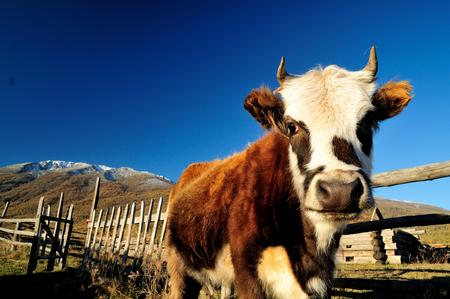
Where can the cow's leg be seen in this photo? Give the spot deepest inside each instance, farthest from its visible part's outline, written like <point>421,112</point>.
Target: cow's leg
<point>182,286</point>
<point>275,272</point>
<point>247,284</point>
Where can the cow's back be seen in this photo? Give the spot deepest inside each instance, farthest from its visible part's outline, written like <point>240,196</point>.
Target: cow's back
<point>210,195</point>
<point>198,211</point>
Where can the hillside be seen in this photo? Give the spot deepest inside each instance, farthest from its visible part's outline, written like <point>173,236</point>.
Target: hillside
<point>396,208</point>
<point>23,184</point>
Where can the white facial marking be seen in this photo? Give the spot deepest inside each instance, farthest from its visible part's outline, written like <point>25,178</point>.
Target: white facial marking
<point>324,230</point>
<point>330,102</point>
<point>297,177</point>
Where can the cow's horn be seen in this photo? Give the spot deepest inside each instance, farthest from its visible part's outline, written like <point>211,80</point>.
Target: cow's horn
<point>281,72</point>
<point>372,64</point>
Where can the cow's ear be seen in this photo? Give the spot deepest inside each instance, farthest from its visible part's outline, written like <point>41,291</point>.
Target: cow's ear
<point>391,98</point>
<point>266,108</point>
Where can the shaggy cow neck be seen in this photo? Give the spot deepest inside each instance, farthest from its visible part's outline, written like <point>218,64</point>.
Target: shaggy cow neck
<point>311,246</point>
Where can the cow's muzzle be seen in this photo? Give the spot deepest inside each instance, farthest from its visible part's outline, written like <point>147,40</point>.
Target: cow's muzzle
<point>340,192</point>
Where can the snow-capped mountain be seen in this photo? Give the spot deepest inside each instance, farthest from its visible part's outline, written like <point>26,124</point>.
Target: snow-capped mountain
<point>74,168</point>
<point>23,184</point>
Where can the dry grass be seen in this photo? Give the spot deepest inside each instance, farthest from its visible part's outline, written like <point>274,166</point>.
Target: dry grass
<point>116,281</point>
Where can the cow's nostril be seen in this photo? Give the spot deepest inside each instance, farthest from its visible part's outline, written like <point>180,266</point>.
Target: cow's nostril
<point>357,191</point>
<point>325,189</point>
<point>335,195</point>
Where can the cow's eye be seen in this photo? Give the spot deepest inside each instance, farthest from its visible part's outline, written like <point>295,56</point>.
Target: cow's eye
<point>292,128</point>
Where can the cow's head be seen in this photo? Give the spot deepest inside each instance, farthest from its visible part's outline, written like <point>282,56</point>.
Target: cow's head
<point>329,115</point>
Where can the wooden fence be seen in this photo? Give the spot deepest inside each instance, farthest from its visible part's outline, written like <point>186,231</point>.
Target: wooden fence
<point>120,236</point>
<point>47,235</point>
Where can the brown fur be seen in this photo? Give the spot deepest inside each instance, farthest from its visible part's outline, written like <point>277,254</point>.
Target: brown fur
<point>265,107</point>
<point>344,151</point>
<point>392,98</point>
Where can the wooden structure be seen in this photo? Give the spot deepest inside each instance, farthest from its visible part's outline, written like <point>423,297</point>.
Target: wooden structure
<point>120,236</point>
<point>47,235</point>
<point>393,246</point>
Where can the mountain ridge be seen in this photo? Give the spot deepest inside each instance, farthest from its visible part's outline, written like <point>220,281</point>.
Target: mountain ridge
<point>44,167</point>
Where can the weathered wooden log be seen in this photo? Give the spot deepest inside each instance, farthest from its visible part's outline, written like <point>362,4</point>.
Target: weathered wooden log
<point>406,221</point>
<point>414,174</point>
<point>354,253</point>
<point>367,246</point>
<point>379,256</point>
<point>354,260</point>
<point>377,242</point>
<point>379,248</point>
<point>375,233</point>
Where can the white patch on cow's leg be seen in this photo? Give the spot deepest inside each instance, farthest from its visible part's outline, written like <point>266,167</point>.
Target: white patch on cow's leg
<point>324,229</point>
<point>221,274</point>
<point>317,285</point>
<point>275,272</point>
<point>225,292</point>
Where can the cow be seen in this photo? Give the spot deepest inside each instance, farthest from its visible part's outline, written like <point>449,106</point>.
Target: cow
<point>268,220</point>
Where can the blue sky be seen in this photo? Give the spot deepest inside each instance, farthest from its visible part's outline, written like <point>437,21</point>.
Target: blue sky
<point>158,85</point>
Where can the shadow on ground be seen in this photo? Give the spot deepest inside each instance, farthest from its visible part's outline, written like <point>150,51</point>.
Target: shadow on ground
<point>67,284</point>
<point>434,288</point>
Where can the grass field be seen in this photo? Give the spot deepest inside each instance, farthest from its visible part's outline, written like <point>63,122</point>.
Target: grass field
<point>15,261</point>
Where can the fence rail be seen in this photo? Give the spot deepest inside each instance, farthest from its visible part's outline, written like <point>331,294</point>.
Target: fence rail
<point>409,175</point>
<point>389,223</point>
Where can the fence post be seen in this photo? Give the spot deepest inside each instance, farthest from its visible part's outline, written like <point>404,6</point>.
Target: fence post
<point>111,250</point>
<point>122,228</point>
<point>15,238</point>
<point>95,198</point>
<point>98,248</point>
<point>65,244</point>
<point>163,233</point>
<point>5,209</point>
<point>56,245</point>
<point>87,245</point>
<point>138,237</point>
<point>32,262</point>
<point>103,256</point>
<point>155,228</point>
<point>94,238</point>
<point>146,228</point>
<point>130,226</point>
<point>44,233</point>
